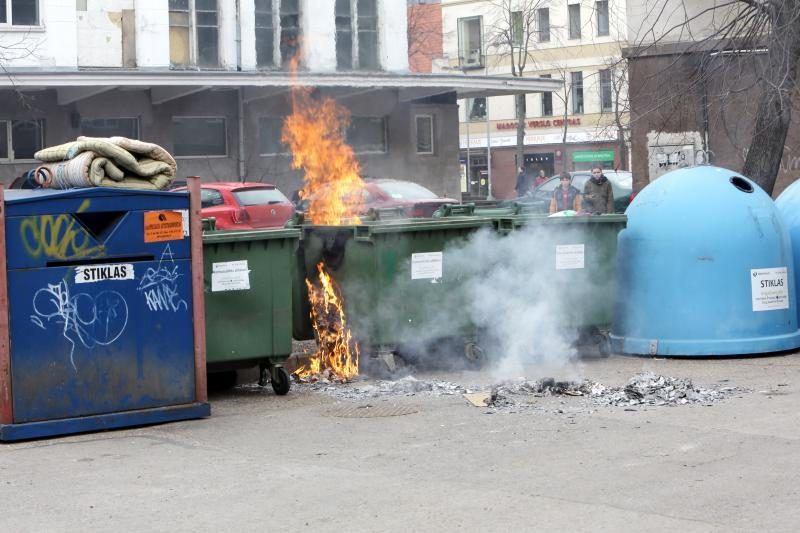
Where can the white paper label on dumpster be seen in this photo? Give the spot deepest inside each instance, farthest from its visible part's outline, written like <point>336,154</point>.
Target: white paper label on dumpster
<point>426,265</point>
<point>569,256</point>
<point>94,273</point>
<point>770,288</point>
<point>185,220</point>
<point>230,276</point>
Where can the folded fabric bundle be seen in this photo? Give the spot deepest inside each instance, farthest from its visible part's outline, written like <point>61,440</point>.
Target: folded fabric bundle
<point>105,162</point>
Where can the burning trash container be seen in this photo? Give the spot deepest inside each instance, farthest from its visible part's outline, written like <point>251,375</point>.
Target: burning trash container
<point>98,311</point>
<point>395,281</point>
<point>705,268</point>
<point>248,293</point>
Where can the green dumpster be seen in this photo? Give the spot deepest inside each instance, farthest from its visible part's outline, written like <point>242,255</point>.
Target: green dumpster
<point>395,280</point>
<point>248,299</point>
<point>579,255</point>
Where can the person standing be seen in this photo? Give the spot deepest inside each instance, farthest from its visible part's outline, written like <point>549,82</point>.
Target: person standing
<point>565,196</point>
<point>522,183</point>
<point>541,178</point>
<point>598,196</point>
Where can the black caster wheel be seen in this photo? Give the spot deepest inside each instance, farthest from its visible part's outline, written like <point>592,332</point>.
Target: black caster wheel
<point>281,383</point>
<point>474,355</point>
<point>603,344</point>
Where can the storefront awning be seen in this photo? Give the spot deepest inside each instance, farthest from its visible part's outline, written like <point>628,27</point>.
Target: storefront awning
<point>167,85</point>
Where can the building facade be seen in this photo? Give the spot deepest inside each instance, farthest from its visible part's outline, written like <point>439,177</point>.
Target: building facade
<point>693,100</point>
<point>209,80</point>
<point>585,122</point>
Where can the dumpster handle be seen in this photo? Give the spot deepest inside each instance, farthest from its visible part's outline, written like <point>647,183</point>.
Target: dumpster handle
<point>6,406</point>
<point>198,301</point>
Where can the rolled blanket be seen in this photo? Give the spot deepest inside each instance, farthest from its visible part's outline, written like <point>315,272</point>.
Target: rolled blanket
<point>107,162</point>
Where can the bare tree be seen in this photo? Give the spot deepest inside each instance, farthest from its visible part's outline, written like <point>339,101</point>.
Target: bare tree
<point>617,69</point>
<point>764,35</point>
<point>513,34</point>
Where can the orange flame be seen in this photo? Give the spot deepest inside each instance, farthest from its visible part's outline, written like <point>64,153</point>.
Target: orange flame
<point>314,134</point>
<point>337,352</point>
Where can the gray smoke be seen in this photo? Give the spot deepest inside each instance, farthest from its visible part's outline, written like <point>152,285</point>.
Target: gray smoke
<point>505,287</point>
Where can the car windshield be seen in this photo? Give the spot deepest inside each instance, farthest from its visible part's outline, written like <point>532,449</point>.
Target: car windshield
<point>406,190</point>
<point>259,196</point>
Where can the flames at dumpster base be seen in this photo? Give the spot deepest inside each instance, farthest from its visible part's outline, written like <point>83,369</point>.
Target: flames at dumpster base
<point>337,353</point>
<point>331,182</point>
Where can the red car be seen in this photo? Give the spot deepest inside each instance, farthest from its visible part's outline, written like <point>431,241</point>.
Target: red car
<point>416,200</point>
<point>244,205</point>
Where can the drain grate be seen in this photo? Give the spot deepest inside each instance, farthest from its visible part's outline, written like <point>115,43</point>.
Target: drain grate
<point>370,411</point>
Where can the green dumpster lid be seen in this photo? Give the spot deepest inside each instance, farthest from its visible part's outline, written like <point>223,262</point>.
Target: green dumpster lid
<point>250,235</point>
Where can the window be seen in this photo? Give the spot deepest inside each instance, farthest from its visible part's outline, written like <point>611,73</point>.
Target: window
<point>476,109</point>
<point>543,21</point>
<point>547,101</point>
<point>470,43</point>
<point>356,34</point>
<point>259,196</point>
<point>601,8</point>
<point>19,12</point>
<point>265,35</point>
<point>606,100</point>
<point>574,13</point>
<point>517,28</point>
<point>269,136</point>
<point>290,30</point>
<point>199,136</point>
<point>367,134</point>
<point>210,198</point>
<point>110,127</point>
<point>577,92</point>
<point>20,139</point>
<point>193,33</point>
<point>424,134</point>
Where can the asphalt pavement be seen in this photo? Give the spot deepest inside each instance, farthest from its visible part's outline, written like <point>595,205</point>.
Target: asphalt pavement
<point>432,461</point>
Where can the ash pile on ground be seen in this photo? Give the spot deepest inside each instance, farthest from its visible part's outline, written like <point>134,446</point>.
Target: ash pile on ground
<point>647,389</point>
<point>361,389</point>
<point>641,390</point>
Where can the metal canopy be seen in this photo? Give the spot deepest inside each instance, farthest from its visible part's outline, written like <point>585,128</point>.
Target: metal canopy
<point>167,85</point>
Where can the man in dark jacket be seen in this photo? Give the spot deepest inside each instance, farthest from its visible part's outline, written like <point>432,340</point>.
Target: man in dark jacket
<point>598,197</point>
<point>523,185</point>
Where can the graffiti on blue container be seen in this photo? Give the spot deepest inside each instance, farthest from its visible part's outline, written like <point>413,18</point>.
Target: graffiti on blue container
<point>58,236</point>
<point>83,319</point>
<point>159,285</point>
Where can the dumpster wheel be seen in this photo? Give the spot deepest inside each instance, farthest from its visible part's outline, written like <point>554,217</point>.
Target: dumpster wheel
<point>279,377</point>
<point>473,353</point>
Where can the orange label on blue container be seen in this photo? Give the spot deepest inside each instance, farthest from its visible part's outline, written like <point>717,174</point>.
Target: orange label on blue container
<point>163,226</point>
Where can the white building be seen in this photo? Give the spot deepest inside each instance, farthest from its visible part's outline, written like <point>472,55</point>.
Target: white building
<point>208,80</point>
<point>577,41</point>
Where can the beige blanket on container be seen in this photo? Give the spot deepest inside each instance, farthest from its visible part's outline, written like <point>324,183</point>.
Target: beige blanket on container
<point>106,162</point>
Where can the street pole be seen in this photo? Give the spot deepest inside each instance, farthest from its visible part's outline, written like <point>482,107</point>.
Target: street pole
<point>489,196</point>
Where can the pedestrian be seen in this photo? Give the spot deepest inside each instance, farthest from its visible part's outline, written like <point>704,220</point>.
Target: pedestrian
<point>565,196</point>
<point>598,196</point>
<point>522,185</point>
<point>541,178</point>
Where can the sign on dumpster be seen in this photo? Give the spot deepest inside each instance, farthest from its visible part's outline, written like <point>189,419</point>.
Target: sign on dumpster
<point>569,256</point>
<point>230,276</point>
<point>426,265</point>
<point>770,288</point>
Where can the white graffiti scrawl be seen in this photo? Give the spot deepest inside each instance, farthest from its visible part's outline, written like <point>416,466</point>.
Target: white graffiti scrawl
<point>159,285</point>
<point>84,319</point>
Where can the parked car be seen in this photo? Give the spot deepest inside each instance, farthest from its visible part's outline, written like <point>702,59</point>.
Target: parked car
<point>621,184</point>
<point>244,205</point>
<point>416,200</point>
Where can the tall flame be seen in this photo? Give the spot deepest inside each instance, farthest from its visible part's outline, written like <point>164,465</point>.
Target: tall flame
<point>314,133</point>
<point>337,352</point>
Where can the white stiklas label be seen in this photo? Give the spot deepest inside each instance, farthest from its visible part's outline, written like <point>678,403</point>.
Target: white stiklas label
<point>770,288</point>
